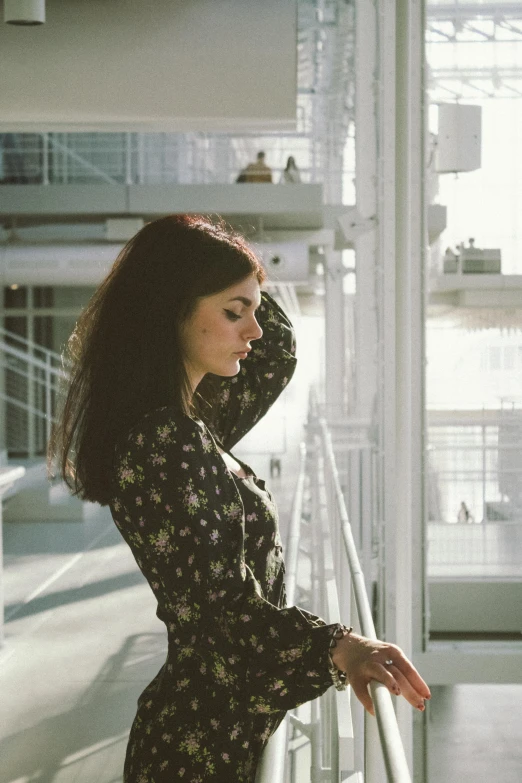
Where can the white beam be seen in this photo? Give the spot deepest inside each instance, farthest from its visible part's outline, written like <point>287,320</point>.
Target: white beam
<point>454,667</point>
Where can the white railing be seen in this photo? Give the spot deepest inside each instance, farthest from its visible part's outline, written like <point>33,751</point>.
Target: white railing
<point>151,158</point>
<point>475,457</point>
<point>330,739</point>
<point>351,582</point>
<point>30,378</point>
<point>490,549</point>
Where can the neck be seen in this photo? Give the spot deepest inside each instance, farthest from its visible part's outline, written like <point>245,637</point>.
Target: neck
<point>194,378</point>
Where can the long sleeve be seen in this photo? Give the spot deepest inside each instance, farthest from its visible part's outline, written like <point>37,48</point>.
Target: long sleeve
<point>178,508</point>
<point>246,397</point>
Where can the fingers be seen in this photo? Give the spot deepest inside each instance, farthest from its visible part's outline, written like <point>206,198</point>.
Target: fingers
<point>360,688</point>
<point>376,671</point>
<point>383,674</point>
<point>393,679</point>
<point>365,660</point>
<point>410,673</point>
<point>411,695</point>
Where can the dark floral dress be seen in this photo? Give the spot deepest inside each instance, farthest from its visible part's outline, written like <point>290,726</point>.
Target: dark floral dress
<point>208,543</point>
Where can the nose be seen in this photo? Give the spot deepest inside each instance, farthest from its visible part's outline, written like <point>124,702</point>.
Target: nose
<point>254,331</point>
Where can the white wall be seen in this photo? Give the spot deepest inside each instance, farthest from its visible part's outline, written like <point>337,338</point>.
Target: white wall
<point>151,65</point>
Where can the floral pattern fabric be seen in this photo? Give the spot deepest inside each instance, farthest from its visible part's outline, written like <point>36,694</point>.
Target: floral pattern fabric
<point>208,543</point>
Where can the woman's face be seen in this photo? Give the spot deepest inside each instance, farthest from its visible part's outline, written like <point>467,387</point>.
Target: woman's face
<point>219,333</point>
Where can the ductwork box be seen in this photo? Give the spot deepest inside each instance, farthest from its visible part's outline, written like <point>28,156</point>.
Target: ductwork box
<point>459,139</point>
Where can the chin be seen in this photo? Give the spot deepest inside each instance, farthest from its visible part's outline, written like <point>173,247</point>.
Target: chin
<point>229,370</point>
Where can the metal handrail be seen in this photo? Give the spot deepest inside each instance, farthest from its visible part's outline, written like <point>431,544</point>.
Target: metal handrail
<point>36,373</point>
<point>395,762</point>
<point>9,350</point>
<point>27,408</point>
<point>272,767</point>
<point>273,761</point>
<point>50,355</point>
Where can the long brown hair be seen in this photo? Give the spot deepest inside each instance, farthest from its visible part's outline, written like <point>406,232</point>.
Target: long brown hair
<point>124,357</point>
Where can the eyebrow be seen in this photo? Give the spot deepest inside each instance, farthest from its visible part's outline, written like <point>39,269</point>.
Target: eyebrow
<point>243,299</point>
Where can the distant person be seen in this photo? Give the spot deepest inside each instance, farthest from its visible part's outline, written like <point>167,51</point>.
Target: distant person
<point>291,174</point>
<point>256,172</point>
<point>465,514</point>
<point>275,467</point>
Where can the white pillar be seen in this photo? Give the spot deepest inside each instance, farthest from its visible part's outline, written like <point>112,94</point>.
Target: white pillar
<point>366,332</point>
<point>401,235</point>
<point>419,260</point>
<point>334,334</point>
<point>404,344</point>
<point>386,298</point>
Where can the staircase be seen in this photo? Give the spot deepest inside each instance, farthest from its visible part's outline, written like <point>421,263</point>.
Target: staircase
<point>30,377</point>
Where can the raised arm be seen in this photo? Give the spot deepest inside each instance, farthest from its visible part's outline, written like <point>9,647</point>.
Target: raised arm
<point>246,397</point>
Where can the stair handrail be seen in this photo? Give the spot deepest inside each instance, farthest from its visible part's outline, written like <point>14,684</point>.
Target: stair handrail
<point>33,360</point>
<point>5,334</point>
<point>395,762</point>
<point>273,760</point>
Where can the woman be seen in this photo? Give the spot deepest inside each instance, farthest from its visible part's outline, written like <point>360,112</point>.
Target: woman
<point>175,358</point>
<point>290,174</point>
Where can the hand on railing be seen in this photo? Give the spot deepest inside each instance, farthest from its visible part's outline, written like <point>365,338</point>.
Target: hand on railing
<point>364,659</point>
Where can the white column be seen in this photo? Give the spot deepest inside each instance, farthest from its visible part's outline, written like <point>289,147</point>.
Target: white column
<point>404,391</point>
<point>366,333</point>
<point>386,298</point>
<point>402,243</point>
<point>419,259</point>
<point>334,334</point>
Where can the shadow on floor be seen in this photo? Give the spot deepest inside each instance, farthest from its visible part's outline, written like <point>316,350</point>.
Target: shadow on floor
<point>87,742</point>
<point>32,538</point>
<point>73,595</point>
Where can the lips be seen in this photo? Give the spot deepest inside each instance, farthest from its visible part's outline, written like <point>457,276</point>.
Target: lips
<point>242,354</point>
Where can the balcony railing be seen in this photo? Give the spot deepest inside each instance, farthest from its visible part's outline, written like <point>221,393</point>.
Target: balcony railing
<point>329,738</point>
<point>152,158</point>
<point>29,388</point>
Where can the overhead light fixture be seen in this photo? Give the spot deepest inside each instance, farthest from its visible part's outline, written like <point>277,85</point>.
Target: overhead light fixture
<point>24,12</point>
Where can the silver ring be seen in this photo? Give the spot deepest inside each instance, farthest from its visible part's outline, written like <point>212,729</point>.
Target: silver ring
<point>388,663</point>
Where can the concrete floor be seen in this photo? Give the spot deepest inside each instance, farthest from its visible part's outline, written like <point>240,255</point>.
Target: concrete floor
<point>82,641</point>
<point>76,656</point>
<point>475,734</point>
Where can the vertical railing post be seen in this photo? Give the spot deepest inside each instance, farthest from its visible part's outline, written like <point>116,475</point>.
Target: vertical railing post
<point>128,158</point>
<point>484,470</point>
<point>317,586</point>
<point>141,159</point>
<point>48,411</point>
<point>45,158</point>
<point>31,375</point>
<point>65,159</point>
<point>163,138</point>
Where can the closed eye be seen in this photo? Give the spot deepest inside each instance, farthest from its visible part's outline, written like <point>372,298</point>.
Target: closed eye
<point>231,315</point>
